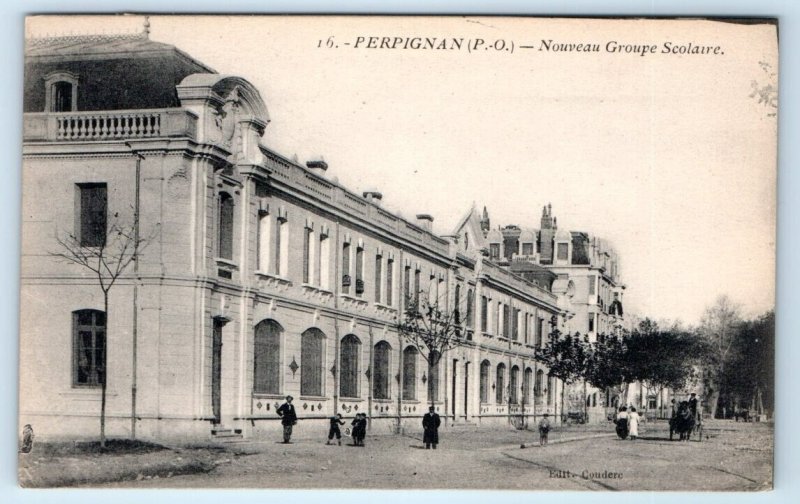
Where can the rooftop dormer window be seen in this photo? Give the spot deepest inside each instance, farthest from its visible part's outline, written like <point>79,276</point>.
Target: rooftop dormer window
<point>61,92</point>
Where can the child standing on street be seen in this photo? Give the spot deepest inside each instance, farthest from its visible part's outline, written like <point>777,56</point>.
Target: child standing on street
<point>336,421</point>
<point>544,429</point>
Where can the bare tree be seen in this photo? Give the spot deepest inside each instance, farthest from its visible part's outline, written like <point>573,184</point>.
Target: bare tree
<point>718,326</point>
<point>432,328</point>
<point>107,260</point>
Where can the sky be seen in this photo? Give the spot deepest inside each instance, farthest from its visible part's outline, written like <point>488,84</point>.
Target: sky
<point>665,155</point>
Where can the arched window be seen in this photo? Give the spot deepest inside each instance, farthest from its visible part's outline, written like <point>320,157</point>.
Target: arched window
<point>410,355</point>
<point>550,386</point>
<point>349,358</point>
<point>225,226</point>
<point>538,386</point>
<point>500,383</point>
<point>485,366</point>
<point>513,393</point>
<point>61,92</point>
<point>267,358</point>
<point>312,344</point>
<point>380,372</point>
<point>433,377</point>
<point>88,348</point>
<point>527,380</point>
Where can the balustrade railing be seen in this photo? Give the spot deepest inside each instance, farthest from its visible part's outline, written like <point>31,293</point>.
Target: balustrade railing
<point>109,125</point>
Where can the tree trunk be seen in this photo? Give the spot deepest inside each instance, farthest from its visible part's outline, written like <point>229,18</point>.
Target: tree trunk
<point>563,389</point>
<point>105,378</point>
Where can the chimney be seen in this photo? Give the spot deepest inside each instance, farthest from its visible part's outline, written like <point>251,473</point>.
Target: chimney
<point>546,235</point>
<point>425,221</point>
<point>373,196</point>
<point>317,167</point>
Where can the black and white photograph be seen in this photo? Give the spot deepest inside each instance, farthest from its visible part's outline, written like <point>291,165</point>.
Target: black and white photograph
<point>398,252</point>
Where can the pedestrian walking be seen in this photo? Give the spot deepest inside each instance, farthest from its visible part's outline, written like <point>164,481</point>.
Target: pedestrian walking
<point>431,423</point>
<point>693,405</point>
<point>633,424</point>
<point>288,418</point>
<point>544,429</point>
<point>359,429</point>
<point>622,422</point>
<point>336,421</point>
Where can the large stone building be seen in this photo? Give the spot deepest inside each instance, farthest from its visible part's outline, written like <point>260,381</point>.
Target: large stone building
<point>260,277</point>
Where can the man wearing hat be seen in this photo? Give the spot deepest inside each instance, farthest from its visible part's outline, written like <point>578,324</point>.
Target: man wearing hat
<point>431,423</point>
<point>288,418</point>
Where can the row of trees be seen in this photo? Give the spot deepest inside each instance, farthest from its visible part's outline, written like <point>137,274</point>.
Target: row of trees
<point>659,358</point>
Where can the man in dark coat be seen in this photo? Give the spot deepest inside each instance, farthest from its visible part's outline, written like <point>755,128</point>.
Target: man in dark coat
<point>693,405</point>
<point>431,423</point>
<point>288,418</point>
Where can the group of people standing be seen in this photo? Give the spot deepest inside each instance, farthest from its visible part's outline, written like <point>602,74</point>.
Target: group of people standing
<point>430,424</point>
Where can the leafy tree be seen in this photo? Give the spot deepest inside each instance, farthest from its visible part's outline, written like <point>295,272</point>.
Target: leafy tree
<point>566,356</point>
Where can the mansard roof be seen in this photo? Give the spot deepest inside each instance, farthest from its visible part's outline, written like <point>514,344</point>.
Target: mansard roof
<point>114,72</point>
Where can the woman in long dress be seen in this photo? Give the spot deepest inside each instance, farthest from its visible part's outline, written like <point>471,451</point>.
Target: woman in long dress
<point>633,424</point>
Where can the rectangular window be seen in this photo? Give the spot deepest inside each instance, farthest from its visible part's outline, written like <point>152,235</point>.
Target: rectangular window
<point>282,262</point>
<point>484,313</point>
<point>389,282</point>
<point>324,262</point>
<point>563,250</point>
<point>346,279</point>
<point>506,320</point>
<point>378,279</point>
<point>527,249</point>
<point>497,316</point>
<point>591,322</point>
<point>264,232</point>
<point>539,331</point>
<point>494,251</point>
<point>592,285</point>
<point>416,287</point>
<point>307,256</point>
<point>516,327</point>
<point>88,348</point>
<point>359,271</point>
<point>407,285</point>
<point>91,214</point>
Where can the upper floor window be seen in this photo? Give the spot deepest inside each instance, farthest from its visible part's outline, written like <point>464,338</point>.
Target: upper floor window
<point>225,226</point>
<point>61,92</point>
<point>91,213</point>
<point>346,279</point>
<point>527,249</point>
<point>359,271</point>
<point>563,251</point>
<point>494,250</point>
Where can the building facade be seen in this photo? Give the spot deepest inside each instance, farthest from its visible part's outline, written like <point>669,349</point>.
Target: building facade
<point>258,276</point>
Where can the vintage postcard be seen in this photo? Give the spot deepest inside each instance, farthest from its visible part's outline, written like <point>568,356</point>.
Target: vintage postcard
<point>398,252</point>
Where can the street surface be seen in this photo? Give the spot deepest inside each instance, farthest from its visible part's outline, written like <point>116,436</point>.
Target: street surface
<point>734,457</point>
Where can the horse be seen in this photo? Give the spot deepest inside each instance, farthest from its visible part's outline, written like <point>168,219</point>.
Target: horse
<point>682,422</point>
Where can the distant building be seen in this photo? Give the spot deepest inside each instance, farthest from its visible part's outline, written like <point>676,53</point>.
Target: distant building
<point>581,269</point>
